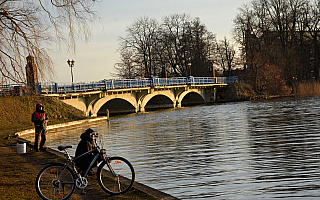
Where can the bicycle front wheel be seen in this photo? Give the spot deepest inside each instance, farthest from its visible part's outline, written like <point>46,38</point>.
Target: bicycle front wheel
<point>117,176</point>
<point>56,182</point>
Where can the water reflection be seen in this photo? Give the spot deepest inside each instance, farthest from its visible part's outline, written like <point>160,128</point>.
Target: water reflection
<point>246,150</point>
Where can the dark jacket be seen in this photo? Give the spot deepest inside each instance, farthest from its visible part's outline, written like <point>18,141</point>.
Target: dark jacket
<point>86,144</point>
<point>40,118</point>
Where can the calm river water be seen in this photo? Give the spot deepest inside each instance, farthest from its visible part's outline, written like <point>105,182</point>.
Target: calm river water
<point>246,150</point>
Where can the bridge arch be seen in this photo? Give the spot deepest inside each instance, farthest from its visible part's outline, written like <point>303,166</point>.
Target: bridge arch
<point>159,102</point>
<point>115,104</point>
<point>197,96</point>
<point>146,101</point>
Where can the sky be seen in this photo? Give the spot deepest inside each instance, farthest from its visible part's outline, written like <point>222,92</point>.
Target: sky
<point>95,59</point>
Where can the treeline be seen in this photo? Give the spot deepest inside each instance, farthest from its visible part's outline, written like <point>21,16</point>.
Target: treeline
<point>177,46</point>
<point>279,46</point>
<point>280,43</point>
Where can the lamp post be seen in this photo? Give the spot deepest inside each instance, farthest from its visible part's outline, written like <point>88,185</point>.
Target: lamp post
<point>150,60</point>
<point>189,66</point>
<point>71,64</point>
<point>213,70</point>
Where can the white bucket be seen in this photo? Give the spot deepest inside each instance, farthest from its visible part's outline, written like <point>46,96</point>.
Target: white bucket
<point>22,148</point>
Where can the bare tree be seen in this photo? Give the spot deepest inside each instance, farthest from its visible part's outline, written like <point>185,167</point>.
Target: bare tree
<point>226,55</point>
<point>179,45</point>
<point>141,40</point>
<point>28,27</point>
<point>312,26</point>
<point>174,41</point>
<point>281,33</point>
<point>128,67</point>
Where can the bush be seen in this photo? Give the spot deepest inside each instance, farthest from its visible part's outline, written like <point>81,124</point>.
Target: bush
<point>269,81</point>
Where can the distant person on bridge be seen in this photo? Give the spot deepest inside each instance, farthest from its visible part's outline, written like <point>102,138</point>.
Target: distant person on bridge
<point>40,120</point>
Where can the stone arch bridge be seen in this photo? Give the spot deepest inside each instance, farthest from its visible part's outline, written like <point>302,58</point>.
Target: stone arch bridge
<point>140,98</point>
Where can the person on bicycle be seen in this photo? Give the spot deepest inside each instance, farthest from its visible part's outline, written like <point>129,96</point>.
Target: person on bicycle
<point>40,119</point>
<point>86,144</point>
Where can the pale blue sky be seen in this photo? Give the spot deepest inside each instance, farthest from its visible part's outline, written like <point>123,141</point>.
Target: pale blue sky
<point>96,58</point>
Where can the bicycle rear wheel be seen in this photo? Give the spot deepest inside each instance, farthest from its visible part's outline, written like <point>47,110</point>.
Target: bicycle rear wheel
<point>118,182</point>
<point>55,181</point>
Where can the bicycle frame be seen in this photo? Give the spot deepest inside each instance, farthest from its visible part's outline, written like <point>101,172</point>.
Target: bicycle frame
<point>97,152</point>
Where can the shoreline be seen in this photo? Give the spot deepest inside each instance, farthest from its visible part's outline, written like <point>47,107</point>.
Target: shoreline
<point>138,186</point>
<point>63,125</point>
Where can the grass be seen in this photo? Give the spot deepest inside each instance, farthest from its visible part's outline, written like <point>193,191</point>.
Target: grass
<point>307,88</point>
<point>18,172</point>
<point>18,179</point>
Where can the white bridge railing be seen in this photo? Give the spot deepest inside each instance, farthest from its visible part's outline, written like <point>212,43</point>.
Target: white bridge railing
<point>103,85</point>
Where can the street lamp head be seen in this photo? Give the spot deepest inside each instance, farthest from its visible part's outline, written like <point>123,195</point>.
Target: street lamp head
<point>70,62</point>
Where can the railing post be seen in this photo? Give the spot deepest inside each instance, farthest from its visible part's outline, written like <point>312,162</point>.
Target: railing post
<point>55,88</point>
<point>105,85</point>
<point>190,80</point>
<point>38,89</point>
<point>112,84</point>
<point>152,82</point>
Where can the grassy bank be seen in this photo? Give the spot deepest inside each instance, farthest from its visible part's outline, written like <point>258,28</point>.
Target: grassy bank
<point>236,92</point>
<point>18,172</point>
<point>17,110</point>
<point>15,113</point>
<point>307,89</point>
<point>243,92</point>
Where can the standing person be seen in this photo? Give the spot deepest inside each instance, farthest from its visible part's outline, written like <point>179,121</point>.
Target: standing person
<point>40,119</point>
<point>86,144</point>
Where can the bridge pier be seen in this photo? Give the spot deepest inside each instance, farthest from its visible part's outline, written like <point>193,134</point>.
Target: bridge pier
<point>178,104</point>
<point>141,109</point>
<point>214,94</point>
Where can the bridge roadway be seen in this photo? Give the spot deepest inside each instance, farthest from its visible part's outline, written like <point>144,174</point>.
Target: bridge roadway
<point>135,95</point>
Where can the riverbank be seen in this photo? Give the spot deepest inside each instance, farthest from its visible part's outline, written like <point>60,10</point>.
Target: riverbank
<point>15,113</point>
<point>20,170</point>
<point>244,92</point>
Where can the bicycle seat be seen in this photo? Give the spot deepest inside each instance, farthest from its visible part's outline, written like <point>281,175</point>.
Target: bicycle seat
<point>61,148</point>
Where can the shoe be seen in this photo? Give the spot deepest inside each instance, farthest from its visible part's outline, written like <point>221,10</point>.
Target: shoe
<point>36,150</point>
<point>82,173</point>
<point>91,173</point>
<point>43,149</point>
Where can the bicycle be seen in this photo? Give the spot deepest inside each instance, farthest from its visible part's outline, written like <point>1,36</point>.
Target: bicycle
<point>57,181</point>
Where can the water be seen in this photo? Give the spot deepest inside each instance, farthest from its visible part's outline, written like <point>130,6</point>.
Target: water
<point>245,150</point>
